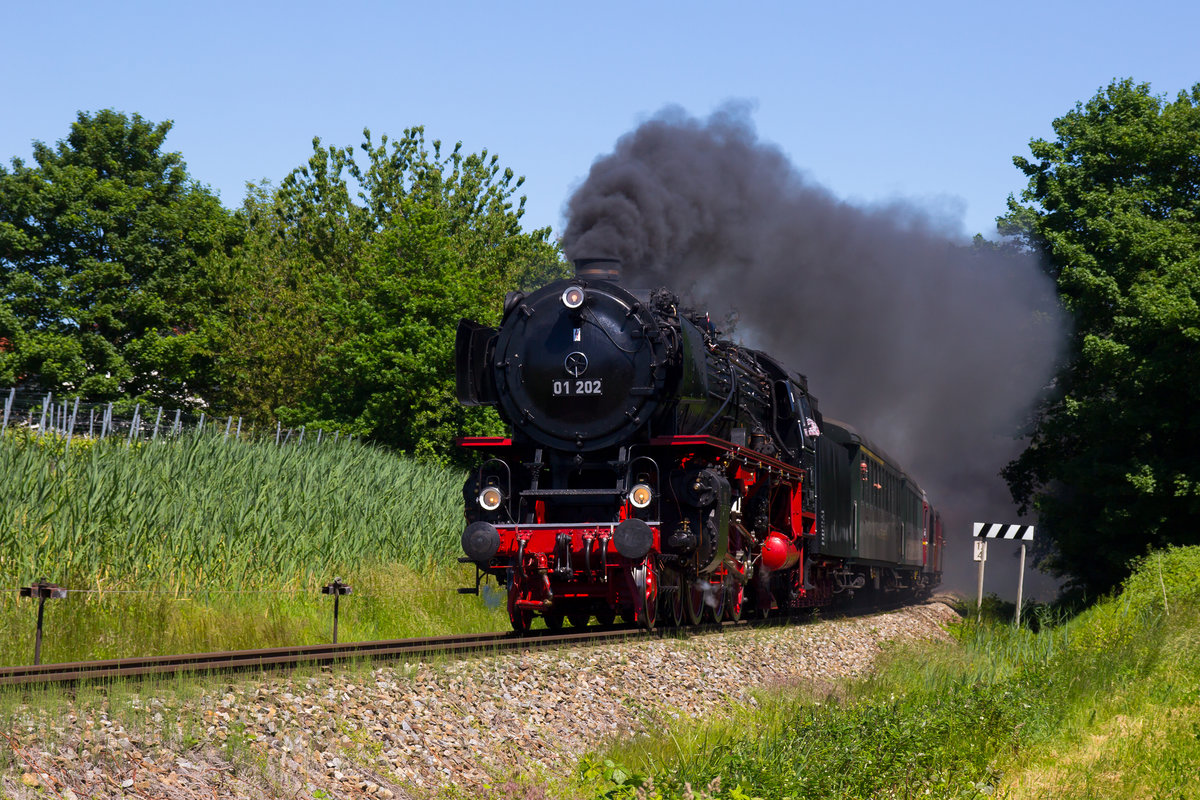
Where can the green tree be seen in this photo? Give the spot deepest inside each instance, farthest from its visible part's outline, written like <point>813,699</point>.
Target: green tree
<point>278,321</point>
<point>353,278</point>
<point>104,251</point>
<point>1113,204</point>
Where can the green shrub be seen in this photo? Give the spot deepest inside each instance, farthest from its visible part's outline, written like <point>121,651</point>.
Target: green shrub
<point>1165,578</point>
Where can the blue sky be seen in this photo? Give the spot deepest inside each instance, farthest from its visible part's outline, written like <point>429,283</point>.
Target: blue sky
<point>925,102</point>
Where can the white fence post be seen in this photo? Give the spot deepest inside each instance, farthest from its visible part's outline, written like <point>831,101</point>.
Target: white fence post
<point>133,425</point>
<point>71,429</point>
<point>8,406</point>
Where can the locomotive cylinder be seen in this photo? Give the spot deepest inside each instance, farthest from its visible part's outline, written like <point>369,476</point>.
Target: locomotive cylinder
<point>778,552</point>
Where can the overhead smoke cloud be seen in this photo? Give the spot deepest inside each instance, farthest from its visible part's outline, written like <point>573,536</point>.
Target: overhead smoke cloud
<point>932,349</point>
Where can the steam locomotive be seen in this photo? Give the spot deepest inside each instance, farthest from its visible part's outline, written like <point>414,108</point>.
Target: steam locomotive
<point>658,472</point>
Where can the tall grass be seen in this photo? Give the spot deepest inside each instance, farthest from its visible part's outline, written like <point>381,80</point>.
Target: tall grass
<point>1103,705</point>
<point>389,602</point>
<point>203,543</point>
<point>201,512</point>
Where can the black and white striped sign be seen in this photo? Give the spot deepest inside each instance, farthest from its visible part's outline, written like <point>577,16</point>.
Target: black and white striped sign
<point>997,530</point>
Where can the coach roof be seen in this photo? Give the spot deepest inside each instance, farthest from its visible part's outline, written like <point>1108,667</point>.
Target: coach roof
<point>848,436</point>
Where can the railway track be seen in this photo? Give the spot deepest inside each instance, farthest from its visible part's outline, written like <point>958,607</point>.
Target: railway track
<point>72,673</point>
<point>76,672</point>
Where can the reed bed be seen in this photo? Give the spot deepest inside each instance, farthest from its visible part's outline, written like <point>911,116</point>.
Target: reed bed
<point>207,542</point>
<point>208,513</point>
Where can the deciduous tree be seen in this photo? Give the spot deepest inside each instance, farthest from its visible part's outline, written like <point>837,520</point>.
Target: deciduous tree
<point>1113,204</point>
<point>353,279</point>
<point>104,282</point>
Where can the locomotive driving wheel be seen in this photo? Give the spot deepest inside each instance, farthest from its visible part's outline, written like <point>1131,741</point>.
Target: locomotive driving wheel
<point>671,600</point>
<point>554,619</point>
<point>716,606</point>
<point>645,602</point>
<point>762,593</point>
<point>520,618</point>
<point>735,593</point>
<point>692,592</point>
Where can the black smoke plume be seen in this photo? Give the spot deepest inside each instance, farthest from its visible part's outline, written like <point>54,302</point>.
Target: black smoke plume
<point>933,349</point>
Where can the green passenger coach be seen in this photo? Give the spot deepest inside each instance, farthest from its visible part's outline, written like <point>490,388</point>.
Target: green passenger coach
<point>870,510</point>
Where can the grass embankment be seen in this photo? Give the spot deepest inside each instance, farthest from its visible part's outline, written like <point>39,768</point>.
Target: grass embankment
<point>1104,705</point>
<point>204,543</point>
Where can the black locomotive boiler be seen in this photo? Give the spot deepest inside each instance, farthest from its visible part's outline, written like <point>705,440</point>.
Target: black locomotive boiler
<point>658,472</point>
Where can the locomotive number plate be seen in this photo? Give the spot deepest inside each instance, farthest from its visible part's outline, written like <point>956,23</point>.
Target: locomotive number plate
<point>573,387</point>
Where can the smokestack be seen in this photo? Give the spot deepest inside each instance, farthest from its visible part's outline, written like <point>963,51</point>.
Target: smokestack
<point>598,269</point>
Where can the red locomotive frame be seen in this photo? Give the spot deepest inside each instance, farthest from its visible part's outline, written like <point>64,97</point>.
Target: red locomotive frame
<point>592,577</point>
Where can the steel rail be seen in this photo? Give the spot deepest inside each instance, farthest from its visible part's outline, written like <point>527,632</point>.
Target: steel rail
<point>76,672</point>
<point>72,673</point>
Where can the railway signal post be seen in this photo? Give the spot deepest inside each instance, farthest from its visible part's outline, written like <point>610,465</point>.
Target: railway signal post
<point>337,589</point>
<point>42,591</point>
<point>995,530</point>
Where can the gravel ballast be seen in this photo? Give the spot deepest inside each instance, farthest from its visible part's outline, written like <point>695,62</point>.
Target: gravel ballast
<point>408,730</point>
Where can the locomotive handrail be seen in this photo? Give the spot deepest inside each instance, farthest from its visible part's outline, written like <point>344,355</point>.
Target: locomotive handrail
<point>608,526</point>
<point>570,492</point>
<point>485,441</point>
<point>737,450</point>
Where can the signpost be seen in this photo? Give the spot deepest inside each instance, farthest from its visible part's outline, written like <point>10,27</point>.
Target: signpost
<point>996,530</point>
<point>981,557</point>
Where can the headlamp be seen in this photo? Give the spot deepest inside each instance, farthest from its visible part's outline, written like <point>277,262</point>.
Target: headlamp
<point>572,297</point>
<point>641,496</point>
<point>491,498</point>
